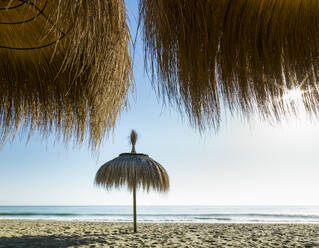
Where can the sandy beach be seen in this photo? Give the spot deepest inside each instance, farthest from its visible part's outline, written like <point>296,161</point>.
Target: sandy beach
<point>22,233</point>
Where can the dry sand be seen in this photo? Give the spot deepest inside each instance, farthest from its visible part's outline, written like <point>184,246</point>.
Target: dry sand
<point>21,233</point>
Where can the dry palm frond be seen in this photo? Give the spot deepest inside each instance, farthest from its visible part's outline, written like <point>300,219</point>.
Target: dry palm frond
<point>64,67</point>
<point>135,170</point>
<point>209,53</point>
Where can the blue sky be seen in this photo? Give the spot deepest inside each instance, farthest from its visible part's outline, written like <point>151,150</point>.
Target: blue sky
<point>243,164</point>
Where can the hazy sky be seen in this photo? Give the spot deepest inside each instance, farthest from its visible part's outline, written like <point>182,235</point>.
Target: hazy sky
<point>242,164</point>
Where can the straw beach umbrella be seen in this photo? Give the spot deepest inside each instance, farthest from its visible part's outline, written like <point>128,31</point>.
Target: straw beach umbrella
<point>244,55</point>
<point>137,170</point>
<point>65,67</point>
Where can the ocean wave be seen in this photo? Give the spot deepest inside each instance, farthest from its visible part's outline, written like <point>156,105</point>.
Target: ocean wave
<point>37,214</point>
<point>222,216</point>
<point>271,215</point>
<point>210,218</point>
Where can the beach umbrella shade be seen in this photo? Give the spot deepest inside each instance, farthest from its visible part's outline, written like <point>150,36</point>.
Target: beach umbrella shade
<point>242,55</point>
<point>65,67</point>
<point>136,170</point>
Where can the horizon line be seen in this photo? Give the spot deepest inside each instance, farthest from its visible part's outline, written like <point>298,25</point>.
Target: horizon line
<point>171,205</point>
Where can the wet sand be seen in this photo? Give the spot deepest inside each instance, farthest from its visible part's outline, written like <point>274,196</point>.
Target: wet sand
<point>22,233</point>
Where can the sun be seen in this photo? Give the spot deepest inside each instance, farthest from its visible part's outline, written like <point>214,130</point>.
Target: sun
<point>293,95</point>
<point>295,92</point>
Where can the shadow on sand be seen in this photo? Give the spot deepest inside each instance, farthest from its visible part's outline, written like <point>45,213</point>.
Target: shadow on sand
<point>53,241</point>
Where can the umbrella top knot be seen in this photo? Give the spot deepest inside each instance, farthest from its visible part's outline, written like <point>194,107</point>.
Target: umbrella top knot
<point>133,139</point>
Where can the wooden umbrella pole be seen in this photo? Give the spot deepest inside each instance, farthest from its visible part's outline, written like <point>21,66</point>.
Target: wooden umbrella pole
<point>133,142</point>
<point>134,208</point>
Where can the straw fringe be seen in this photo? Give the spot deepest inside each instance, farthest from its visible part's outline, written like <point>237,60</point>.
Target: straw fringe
<point>244,54</point>
<point>76,86</point>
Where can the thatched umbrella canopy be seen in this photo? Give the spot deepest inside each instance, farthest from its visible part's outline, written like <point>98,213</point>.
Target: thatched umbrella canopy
<point>136,170</point>
<point>65,67</point>
<point>243,54</point>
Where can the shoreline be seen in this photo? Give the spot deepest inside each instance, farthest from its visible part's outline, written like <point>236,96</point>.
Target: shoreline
<point>159,222</point>
<point>44,233</point>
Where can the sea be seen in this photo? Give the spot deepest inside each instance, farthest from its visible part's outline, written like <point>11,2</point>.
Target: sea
<point>170,214</point>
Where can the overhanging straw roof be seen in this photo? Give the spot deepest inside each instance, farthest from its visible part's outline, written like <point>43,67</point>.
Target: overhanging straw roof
<point>244,54</point>
<point>64,67</point>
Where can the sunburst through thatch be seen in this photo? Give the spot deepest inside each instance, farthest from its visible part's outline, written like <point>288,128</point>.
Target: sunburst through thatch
<point>136,170</point>
<point>206,54</point>
<point>65,67</point>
